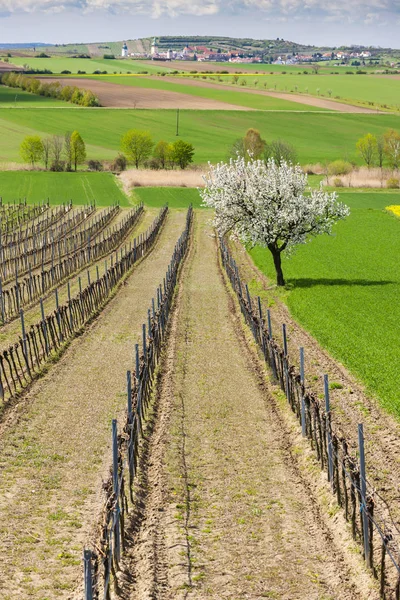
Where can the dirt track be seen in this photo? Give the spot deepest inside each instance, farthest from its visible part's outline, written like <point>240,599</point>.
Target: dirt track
<point>55,447</point>
<point>228,511</point>
<point>113,95</point>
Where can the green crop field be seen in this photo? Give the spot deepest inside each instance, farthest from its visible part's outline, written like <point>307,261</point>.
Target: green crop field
<point>16,98</point>
<point>316,136</point>
<point>344,290</point>
<point>379,90</point>
<point>249,100</point>
<point>59,64</point>
<point>80,187</point>
<point>175,197</point>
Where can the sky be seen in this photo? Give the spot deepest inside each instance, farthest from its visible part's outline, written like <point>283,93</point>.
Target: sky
<point>339,22</point>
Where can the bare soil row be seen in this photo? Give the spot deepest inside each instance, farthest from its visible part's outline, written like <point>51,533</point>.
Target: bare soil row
<point>229,503</point>
<point>55,445</point>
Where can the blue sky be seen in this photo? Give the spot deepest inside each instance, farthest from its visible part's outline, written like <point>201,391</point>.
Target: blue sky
<point>368,22</point>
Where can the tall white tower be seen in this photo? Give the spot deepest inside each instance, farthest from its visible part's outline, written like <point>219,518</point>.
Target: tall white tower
<point>154,49</point>
<point>124,52</point>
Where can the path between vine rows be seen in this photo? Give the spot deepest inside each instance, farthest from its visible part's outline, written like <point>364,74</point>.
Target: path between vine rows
<point>55,446</point>
<point>228,509</point>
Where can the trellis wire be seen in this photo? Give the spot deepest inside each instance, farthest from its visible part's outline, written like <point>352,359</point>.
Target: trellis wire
<point>126,444</point>
<point>53,250</point>
<point>34,286</point>
<point>352,490</point>
<point>13,216</point>
<point>20,363</point>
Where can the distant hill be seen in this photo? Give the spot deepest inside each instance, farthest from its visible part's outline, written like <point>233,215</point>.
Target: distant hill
<point>215,43</point>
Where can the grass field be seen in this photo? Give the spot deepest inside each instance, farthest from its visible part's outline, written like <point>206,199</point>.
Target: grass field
<point>317,137</point>
<point>16,98</point>
<point>344,289</point>
<point>81,188</point>
<point>175,197</point>
<point>58,64</point>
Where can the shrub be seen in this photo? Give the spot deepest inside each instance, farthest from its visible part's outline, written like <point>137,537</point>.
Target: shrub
<point>81,72</point>
<point>65,72</point>
<point>339,167</point>
<point>119,163</point>
<point>95,165</point>
<point>153,164</point>
<point>57,166</point>
<point>337,182</point>
<point>393,183</point>
<point>108,56</point>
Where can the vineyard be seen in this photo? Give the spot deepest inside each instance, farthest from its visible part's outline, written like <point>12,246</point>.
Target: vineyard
<point>135,366</point>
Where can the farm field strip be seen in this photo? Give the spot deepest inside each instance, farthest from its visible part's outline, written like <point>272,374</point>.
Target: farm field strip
<point>346,470</point>
<point>67,221</point>
<point>77,238</point>
<point>364,378</point>
<point>224,505</point>
<point>84,389</point>
<point>316,136</point>
<point>75,276</point>
<point>216,93</point>
<point>25,292</point>
<point>80,188</point>
<point>24,361</point>
<point>51,217</point>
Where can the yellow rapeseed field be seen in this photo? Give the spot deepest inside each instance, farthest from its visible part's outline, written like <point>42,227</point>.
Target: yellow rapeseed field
<point>395,209</point>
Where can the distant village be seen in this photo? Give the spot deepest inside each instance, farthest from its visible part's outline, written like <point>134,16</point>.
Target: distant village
<point>204,54</point>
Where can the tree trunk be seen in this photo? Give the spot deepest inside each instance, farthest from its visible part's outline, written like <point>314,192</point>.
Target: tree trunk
<point>276,255</point>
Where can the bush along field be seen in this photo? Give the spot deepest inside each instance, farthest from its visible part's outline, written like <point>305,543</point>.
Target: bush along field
<point>344,290</point>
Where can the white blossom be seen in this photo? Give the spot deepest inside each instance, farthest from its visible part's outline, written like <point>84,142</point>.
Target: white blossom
<point>269,205</point>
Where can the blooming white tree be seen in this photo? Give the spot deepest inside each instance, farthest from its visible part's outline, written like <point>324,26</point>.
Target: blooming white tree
<point>269,205</point>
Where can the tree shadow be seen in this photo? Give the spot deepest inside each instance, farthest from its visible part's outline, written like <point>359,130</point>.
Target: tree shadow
<point>308,283</point>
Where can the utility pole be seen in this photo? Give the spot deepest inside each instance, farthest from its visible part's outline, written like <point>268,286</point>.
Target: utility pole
<point>177,121</point>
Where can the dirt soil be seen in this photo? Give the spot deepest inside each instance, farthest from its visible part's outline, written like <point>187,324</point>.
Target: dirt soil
<point>55,446</point>
<point>112,95</point>
<point>227,507</point>
<point>297,98</point>
<point>147,178</point>
<point>350,405</point>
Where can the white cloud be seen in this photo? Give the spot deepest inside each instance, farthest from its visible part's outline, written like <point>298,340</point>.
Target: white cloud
<point>366,11</point>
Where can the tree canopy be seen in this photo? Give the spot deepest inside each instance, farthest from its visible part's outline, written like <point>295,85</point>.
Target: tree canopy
<point>137,145</point>
<point>270,205</point>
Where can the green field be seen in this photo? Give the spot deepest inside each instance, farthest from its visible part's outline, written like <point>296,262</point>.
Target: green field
<point>58,64</point>
<point>345,289</point>
<point>16,98</point>
<point>81,188</point>
<point>316,136</point>
<point>175,197</point>
<point>249,100</point>
<point>362,89</point>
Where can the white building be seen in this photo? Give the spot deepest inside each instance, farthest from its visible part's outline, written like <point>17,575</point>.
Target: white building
<point>124,52</point>
<point>154,49</point>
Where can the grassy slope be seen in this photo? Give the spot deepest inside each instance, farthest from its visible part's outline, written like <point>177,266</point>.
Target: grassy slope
<point>248,100</point>
<point>176,197</point>
<point>79,187</point>
<point>12,97</point>
<point>316,136</point>
<point>345,291</point>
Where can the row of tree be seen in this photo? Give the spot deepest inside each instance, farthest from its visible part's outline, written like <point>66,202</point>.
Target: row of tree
<point>140,149</point>
<point>54,89</point>
<point>375,149</point>
<point>57,153</point>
